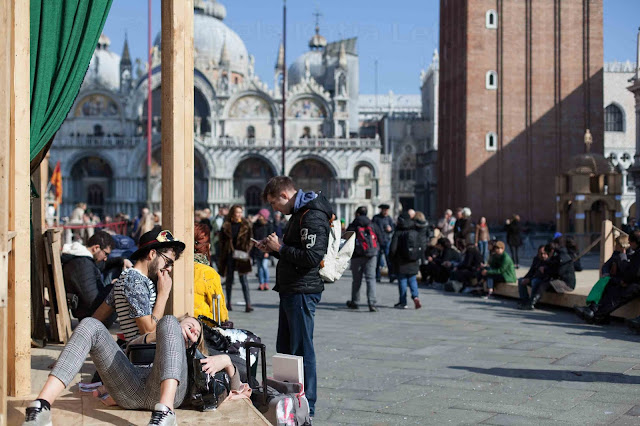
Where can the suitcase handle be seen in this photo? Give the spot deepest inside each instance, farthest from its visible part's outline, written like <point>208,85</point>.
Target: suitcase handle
<point>263,355</point>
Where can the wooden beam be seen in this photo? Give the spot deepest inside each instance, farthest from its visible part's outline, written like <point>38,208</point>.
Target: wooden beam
<point>5,134</point>
<point>19,315</point>
<point>177,143</point>
<point>38,263</point>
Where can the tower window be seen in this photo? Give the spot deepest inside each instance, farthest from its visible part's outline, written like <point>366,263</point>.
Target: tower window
<point>491,141</point>
<point>613,119</point>
<point>491,19</point>
<point>491,80</point>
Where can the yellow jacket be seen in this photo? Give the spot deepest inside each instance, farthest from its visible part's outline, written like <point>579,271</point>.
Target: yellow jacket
<point>206,286</point>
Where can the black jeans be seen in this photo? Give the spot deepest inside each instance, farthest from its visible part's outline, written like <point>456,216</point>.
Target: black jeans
<point>615,296</point>
<point>514,254</point>
<point>231,267</point>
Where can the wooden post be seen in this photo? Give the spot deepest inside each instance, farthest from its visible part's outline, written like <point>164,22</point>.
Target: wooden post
<point>19,336</point>
<point>38,262</point>
<point>5,134</point>
<point>608,241</point>
<point>177,143</point>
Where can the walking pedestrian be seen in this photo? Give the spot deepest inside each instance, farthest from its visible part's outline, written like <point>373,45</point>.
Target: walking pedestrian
<point>364,259</point>
<point>386,225</point>
<point>235,243</point>
<point>482,238</point>
<point>407,246</point>
<point>262,228</point>
<point>514,237</point>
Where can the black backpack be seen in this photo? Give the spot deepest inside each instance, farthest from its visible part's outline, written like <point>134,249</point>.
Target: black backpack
<point>366,242</point>
<point>409,246</point>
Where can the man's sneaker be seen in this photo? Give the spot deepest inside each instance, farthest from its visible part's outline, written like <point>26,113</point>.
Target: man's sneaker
<point>373,308</point>
<point>37,415</point>
<point>352,305</point>
<point>400,306</point>
<point>417,303</point>
<point>162,416</point>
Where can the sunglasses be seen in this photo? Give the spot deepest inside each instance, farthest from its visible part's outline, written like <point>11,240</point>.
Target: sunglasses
<point>168,262</point>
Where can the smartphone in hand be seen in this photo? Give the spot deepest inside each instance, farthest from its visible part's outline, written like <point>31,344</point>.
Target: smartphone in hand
<point>256,241</point>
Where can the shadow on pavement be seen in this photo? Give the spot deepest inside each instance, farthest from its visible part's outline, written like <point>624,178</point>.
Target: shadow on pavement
<point>555,375</point>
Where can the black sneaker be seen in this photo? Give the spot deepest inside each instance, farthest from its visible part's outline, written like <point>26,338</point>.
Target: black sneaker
<point>37,415</point>
<point>162,416</point>
<point>373,308</point>
<point>400,306</point>
<point>352,305</point>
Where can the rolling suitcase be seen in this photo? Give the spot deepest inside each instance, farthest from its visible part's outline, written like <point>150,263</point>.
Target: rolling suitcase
<point>282,403</point>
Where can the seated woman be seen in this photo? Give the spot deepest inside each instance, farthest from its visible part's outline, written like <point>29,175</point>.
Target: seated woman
<point>439,268</point>
<point>559,272</point>
<point>468,270</point>
<point>206,284</point>
<point>131,387</point>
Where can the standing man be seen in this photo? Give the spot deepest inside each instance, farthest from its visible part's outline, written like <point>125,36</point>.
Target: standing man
<point>298,280</point>
<point>386,225</point>
<point>364,259</point>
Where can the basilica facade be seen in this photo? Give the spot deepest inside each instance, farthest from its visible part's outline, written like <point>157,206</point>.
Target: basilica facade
<point>102,145</point>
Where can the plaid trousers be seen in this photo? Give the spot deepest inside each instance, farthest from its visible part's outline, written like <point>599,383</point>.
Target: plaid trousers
<point>132,387</point>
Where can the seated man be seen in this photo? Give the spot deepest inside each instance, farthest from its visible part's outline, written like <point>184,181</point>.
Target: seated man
<point>620,290</point>
<point>532,279</point>
<point>140,294</point>
<point>82,276</point>
<point>559,273</point>
<point>468,271</point>
<point>439,268</point>
<point>501,268</point>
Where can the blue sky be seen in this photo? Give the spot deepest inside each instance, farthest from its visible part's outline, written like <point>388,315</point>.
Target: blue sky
<point>400,34</point>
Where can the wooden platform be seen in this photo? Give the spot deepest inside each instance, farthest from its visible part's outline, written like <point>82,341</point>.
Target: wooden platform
<point>584,282</point>
<point>74,408</point>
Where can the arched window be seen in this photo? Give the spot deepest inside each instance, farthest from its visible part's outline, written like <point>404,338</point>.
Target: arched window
<point>491,19</point>
<point>251,132</point>
<point>613,119</point>
<point>491,141</point>
<point>491,80</point>
<point>97,130</point>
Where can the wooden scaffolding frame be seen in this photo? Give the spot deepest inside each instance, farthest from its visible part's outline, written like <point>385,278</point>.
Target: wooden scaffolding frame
<point>177,177</point>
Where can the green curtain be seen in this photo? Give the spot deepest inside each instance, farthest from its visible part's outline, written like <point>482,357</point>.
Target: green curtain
<point>64,35</point>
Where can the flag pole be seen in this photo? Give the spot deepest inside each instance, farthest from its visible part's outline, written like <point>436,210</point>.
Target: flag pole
<point>149,106</point>
<point>284,82</point>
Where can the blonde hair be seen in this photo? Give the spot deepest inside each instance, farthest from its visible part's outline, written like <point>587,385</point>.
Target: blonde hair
<point>147,223</point>
<point>420,216</point>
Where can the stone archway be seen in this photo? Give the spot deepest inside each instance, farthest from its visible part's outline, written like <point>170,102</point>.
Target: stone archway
<point>91,182</point>
<point>200,180</point>
<point>314,175</point>
<point>249,179</point>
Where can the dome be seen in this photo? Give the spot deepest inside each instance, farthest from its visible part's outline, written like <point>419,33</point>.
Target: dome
<point>590,164</point>
<point>297,70</point>
<point>104,67</point>
<point>210,34</point>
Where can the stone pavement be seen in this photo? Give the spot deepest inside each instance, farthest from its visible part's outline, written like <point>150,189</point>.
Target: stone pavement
<point>460,360</point>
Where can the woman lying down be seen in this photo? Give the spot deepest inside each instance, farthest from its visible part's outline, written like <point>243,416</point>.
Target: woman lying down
<point>158,388</point>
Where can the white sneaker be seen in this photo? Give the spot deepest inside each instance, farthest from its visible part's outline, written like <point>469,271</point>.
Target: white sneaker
<point>37,415</point>
<point>162,416</point>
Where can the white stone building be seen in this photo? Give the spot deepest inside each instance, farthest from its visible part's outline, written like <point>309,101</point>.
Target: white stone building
<point>102,145</point>
<point>620,127</point>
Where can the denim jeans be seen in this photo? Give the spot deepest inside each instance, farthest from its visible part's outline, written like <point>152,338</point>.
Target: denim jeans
<point>363,266</point>
<point>295,336</point>
<point>492,278</point>
<point>403,280</point>
<point>384,254</point>
<point>522,289</point>
<point>263,270</point>
<point>483,246</point>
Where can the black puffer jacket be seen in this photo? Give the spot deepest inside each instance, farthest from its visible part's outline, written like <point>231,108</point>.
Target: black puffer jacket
<point>82,278</point>
<point>306,238</point>
<point>401,265</point>
<point>561,267</point>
